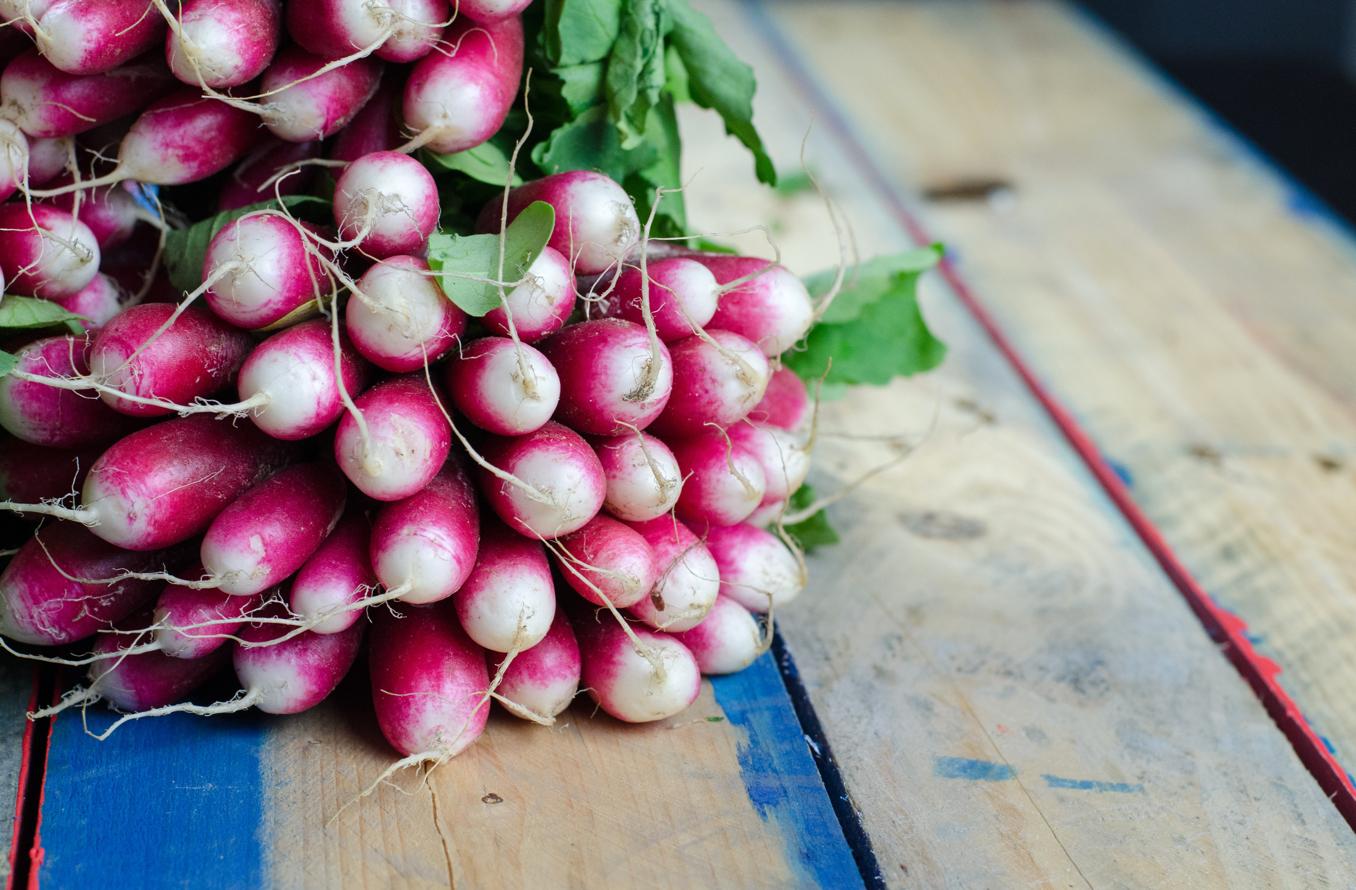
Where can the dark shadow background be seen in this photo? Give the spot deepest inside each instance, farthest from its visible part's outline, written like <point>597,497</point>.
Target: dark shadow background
<point>1281,72</point>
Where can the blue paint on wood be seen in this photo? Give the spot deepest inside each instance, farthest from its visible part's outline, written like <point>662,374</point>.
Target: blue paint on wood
<point>1121,470</point>
<point>1092,785</point>
<point>165,802</point>
<point>781,778</point>
<point>974,770</point>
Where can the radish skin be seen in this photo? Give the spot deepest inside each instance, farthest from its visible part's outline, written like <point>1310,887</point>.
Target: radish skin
<point>256,178</point>
<point>612,378</point>
<point>726,641</point>
<point>541,681</point>
<point>785,404</point>
<point>47,102</point>
<point>688,578</point>
<point>713,383</point>
<point>307,105</point>
<point>374,128</point>
<point>724,482</point>
<point>293,675</point>
<point>643,479</point>
<point>784,460</point>
<point>264,271</point>
<point>53,416</point>
<point>111,214</point>
<point>490,11</point>
<point>388,203</point>
<point>596,223</point>
<point>80,37</point>
<point>541,305</point>
<point>193,622</point>
<point>488,384</point>
<point>337,575</point>
<point>509,599</point>
<point>561,469</point>
<point>45,251</point>
<point>426,544</point>
<point>756,569</point>
<point>682,294</point>
<point>222,43</point>
<point>773,309</point>
<point>145,680</point>
<point>406,320</point>
<point>627,685</point>
<point>291,378</point>
<point>32,473</point>
<point>608,561</point>
<point>407,439</point>
<point>397,30</point>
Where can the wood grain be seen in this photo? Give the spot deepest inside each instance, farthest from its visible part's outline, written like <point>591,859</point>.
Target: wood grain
<point>16,690</point>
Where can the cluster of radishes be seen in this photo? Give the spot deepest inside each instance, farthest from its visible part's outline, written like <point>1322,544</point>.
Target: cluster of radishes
<point>572,490</point>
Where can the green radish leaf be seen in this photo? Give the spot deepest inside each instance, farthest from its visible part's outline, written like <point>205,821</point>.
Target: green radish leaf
<point>706,245</point>
<point>29,313</point>
<point>8,362</point>
<point>581,86</point>
<point>578,31</point>
<point>487,163</point>
<point>186,248</point>
<point>874,331</point>
<point>635,69</point>
<point>664,172</point>
<point>591,142</point>
<point>718,80</point>
<point>797,182</point>
<point>468,265</point>
<point>814,532</point>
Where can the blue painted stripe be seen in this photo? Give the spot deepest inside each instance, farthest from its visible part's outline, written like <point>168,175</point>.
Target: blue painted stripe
<point>971,769</point>
<point>166,802</point>
<point>1091,785</point>
<point>781,778</point>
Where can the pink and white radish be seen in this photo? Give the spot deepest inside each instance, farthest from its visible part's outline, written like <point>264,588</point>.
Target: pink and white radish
<point>13,158</point>
<point>396,30</point>
<point>541,305</point>
<point>632,686</point>
<point>80,37</point>
<point>429,683</point>
<point>306,102</point>
<point>222,43</point>
<point>262,270</point>
<point>401,442</point>
<point>386,203</point>
<point>192,621</point>
<point>503,388</point>
<point>723,481</point>
<point>374,128</point>
<point>139,680</point>
<point>715,381</point>
<point>401,319</point>
<point>47,159</point>
<point>21,15</point>
<point>607,562</point>
<point>772,308</point>
<point>457,100</point>
<point>491,10</point>
<point>260,175</point>
<point>540,682</point>
<point>643,479</point>
<point>596,223</point>
<point>111,214</point>
<point>613,378</point>
<point>134,355</point>
<point>270,531</point>
<point>55,416</point>
<point>284,672</point>
<point>557,483</point>
<point>45,251</point>
<point>726,641</point>
<point>509,599</point>
<point>682,295</point>
<point>335,577</point>
<point>291,383</point>
<point>98,302</point>
<point>47,102</point>
<point>784,459</point>
<point>425,546</point>
<point>32,473</point>
<point>65,584</point>
<point>756,569</point>
<point>785,404</point>
<point>688,577</point>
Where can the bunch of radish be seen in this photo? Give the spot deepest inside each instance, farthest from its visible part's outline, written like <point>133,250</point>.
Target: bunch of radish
<point>580,488</point>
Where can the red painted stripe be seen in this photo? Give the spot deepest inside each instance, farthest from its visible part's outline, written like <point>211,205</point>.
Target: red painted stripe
<point>25,753</point>
<point>36,854</point>
<point>1225,628</point>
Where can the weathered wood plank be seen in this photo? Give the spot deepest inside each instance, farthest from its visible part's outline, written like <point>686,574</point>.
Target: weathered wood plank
<point>1016,694</point>
<point>16,692</point>
<point>1186,301</point>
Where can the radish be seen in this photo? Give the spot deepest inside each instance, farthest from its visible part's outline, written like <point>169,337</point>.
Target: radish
<point>307,103</point>
<point>31,473</point>
<point>600,223</point>
<point>503,388</point>
<point>682,295</point>
<point>509,599</point>
<point>457,100</point>
<point>401,319</point>
<point>784,460</point>
<point>786,403</point>
<point>643,479</point>
<point>291,675</point>
<point>542,681</point>
<point>401,444</point>
<point>724,481</point>
<point>191,622</point>
<point>559,482</point>
<point>111,214</point>
<point>195,356</point>
<point>291,382</point>
<point>756,569</point>
<point>429,683</point>
<point>607,563</point>
<point>139,681</point>
<point>45,101</point>
<point>222,43</point>
<point>45,251</point>
<point>372,129</point>
<point>257,177</point>
<point>688,577</point>
<point>270,531</point>
<point>41,603</point>
<point>98,302</point>
<point>612,377</point>
<point>716,381</point>
<point>335,577</point>
<point>768,512</point>
<point>772,308</point>
<point>80,37</point>
<point>397,30</point>
<point>425,546</point>
<point>52,416</point>
<point>22,14</point>
<point>726,641</point>
<point>541,305</point>
<point>47,159</point>
<point>625,682</point>
<point>386,203</point>
<point>13,158</point>
<point>165,484</point>
<point>491,10</point>
<point>262,270</point>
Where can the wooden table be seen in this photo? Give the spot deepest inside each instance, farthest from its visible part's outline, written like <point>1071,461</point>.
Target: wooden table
<point>1097,630</point>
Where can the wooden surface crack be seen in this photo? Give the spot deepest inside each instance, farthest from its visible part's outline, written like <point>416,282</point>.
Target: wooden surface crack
<point>442,838</point>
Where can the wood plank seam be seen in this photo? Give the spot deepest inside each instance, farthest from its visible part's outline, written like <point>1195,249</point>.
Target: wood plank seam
<point>1226,629</point>
<point>25,852</point>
